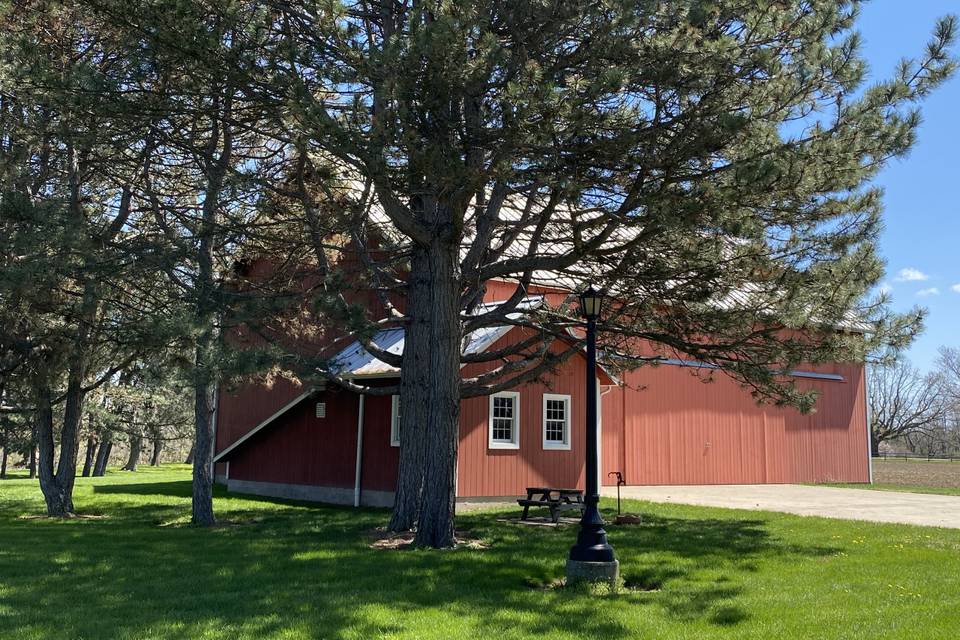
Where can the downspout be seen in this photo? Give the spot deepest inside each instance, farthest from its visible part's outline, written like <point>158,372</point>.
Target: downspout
<point>356,478</point>
<point>602,391</point>
<point>216,427</point>
<point>866,413</point>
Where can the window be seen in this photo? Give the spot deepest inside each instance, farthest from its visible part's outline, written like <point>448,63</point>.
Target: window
<point>505,420</point>
<point>556,421</point>
<point>394,421</point>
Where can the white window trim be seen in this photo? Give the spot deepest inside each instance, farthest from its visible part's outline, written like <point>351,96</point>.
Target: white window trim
<point>394,426</point>
<point>504,444</point>
<point>551,445</point>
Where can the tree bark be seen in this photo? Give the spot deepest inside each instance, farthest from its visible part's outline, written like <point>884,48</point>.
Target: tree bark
<point>437,351</point>
<point>136,448</point>
<point>157,449</point>
<point>103,454</point>
<point>189,459</point>
<point>90,456</point>
<point>3,464</point>
<point>57,495</point>
<point>414,401</point>
<point>33,451</point>
<point>202,507</point>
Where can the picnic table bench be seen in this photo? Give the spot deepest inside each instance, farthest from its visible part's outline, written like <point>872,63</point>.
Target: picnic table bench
<point>557,500</point>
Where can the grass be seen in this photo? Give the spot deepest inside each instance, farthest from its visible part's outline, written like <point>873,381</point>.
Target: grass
<point>288,570</point>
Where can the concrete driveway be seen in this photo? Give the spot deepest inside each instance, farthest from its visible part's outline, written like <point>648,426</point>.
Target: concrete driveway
<point>829,502</point>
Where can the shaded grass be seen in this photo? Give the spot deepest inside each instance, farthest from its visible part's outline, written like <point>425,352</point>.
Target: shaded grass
<point>291,570</point>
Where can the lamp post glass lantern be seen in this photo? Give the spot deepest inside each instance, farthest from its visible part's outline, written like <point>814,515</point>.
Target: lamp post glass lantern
<point>592,556</point>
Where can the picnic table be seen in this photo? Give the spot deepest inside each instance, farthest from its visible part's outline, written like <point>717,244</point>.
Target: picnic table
<point>557,500</point>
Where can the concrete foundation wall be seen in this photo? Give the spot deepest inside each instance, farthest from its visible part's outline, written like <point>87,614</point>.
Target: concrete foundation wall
<point>311,493</point>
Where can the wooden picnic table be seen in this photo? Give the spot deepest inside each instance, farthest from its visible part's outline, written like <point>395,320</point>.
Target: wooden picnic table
<point>564,500</point>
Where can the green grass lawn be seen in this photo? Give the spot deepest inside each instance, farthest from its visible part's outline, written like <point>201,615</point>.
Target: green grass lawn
<point>288,570</point>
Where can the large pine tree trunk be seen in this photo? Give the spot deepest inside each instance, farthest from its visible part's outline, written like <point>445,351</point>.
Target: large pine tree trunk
<point>89,457</point>
<point>204,375</point>
<point>157,449</point>
<point>136,449</point>
<point>437,351</point>
<point>103,454</point>
<point>415,402</point>
<point>203,455</point>
<point>58,488</point>
<point>58,497</point>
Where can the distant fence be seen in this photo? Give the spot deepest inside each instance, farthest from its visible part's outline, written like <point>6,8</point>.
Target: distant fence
<point>915,456</point>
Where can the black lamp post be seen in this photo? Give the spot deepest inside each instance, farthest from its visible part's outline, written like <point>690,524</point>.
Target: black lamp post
<point>592,546</point>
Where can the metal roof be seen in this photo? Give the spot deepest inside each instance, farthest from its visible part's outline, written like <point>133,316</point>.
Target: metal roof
<point>356,362</point>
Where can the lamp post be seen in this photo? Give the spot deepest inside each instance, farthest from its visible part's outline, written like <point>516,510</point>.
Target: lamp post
<point>592,557</point>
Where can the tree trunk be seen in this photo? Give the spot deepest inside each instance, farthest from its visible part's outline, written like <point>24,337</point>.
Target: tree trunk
<point>58,496</point>
<point>136,448</point>
<point>33,451</point>
<point>437,351</point>
<point>203,454</point>
<point>189,459</point>
<point>414,401</point>
<point>874,444</point>
<point>3,464</point>
<point>89,457</point>
<point>204,373</point>
<point>103,454</point>
<point>157,449</point>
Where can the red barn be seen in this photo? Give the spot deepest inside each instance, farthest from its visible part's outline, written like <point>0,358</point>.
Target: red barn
<point>660,424</point>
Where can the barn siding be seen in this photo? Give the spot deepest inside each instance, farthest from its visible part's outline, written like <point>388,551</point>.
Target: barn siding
<point>680,429</point>
<point>663,425</point>
<point>380,460</point>
<point>304,449</point>
<point>507,472</point>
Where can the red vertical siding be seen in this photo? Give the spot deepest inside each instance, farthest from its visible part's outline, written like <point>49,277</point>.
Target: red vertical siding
<point>304,449</point>
<point>380,460</point>
<point>682,430</point>
<point>611,441</point>
<point>241,409</point>
<point>506,472</point>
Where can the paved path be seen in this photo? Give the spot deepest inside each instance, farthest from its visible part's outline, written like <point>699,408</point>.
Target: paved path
<point>830,502</point>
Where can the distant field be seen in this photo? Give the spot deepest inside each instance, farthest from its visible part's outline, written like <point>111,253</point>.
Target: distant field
<point>933,473</point>
<point>915,476</point>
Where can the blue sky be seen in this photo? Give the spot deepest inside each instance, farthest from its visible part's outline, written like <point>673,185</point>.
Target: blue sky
<point>921,242</point>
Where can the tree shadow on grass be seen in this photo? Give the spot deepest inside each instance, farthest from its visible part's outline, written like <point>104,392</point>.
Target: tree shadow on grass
<point>310,572</point>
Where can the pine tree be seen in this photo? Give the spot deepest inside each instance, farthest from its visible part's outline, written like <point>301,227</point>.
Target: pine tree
<point>709,163</point>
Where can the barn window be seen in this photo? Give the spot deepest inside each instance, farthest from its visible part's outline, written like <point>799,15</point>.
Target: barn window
<point>556,421</point>
<point>394,421</point>
<point>504,430</point>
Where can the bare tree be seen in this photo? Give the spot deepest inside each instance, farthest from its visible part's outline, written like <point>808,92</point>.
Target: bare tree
<point>903,403</point>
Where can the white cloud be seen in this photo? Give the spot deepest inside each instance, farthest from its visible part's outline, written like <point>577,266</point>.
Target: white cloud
<point>932,291</point>
<point>956,288</point>
<point>911,275</point>
<point>886,288</point>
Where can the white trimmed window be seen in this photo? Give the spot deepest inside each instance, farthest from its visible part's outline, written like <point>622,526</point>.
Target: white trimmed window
<point>504,431</point>
<point>394,421</point>
<point>556,421</point>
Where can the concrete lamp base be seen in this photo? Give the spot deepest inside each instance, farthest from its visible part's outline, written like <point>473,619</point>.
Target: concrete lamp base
<point>602,572</point>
